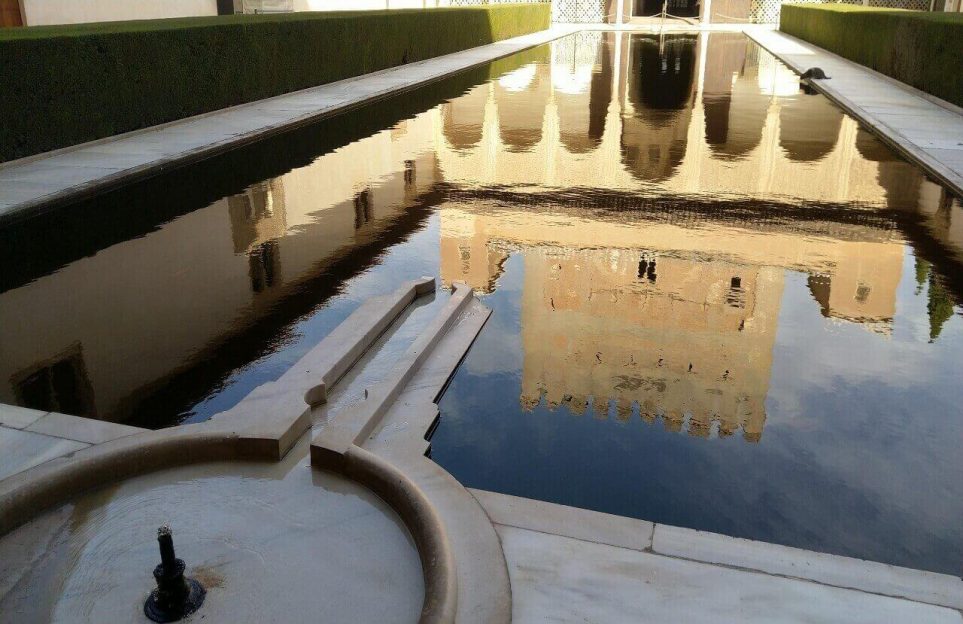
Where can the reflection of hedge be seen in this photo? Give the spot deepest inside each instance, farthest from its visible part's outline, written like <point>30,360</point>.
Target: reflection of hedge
<point>919,48</point>
<point>64,85</point>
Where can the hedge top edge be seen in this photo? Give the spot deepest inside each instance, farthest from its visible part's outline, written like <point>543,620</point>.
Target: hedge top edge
<point>951,18</point>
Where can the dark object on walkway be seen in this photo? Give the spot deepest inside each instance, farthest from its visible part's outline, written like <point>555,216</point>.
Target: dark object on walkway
<point>175,596</point>
<point>815,73</point>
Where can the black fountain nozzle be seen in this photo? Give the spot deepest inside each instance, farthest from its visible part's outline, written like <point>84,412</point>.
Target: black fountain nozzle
<point>176,596</point>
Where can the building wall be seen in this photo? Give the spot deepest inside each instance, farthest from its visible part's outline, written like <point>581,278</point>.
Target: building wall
<point>48,12</point>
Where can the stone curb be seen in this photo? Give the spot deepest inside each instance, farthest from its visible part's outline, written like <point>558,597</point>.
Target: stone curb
<point>424,523</point>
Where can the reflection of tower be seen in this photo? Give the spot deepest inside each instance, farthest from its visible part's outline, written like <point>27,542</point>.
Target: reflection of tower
<point>258,214</point>
<point>690,340</point>
<point>467,254</point>
<point>861,284</point>
<point>660,89</point>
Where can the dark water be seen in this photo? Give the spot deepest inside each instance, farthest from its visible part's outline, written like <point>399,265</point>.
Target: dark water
<point>718,303</point>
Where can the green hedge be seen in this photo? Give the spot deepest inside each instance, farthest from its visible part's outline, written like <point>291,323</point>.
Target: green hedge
<point>63,85</point>
<point>922,49</point>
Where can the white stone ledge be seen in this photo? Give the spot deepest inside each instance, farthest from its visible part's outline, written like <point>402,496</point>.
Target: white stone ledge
<point>846,572</point>
<point>582,524</point>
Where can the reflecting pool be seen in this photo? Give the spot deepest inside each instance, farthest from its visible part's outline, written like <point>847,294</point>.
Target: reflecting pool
<point>718,302</point>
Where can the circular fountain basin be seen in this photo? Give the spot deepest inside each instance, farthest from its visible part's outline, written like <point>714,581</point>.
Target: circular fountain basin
<point>271,542</point>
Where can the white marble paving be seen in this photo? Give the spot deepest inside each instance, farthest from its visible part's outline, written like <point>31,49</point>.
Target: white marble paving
<point>18,417</point>
<point>31,182</point>
<point>20,450</point>
<point>869,576</point>
<point>924,128</point>
<point>560,579</point>
<point>87,430</point>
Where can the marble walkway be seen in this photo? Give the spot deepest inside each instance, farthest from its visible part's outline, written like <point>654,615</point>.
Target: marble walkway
<point>53,178</point>
<point>923,128</point>
<point>29,437</point>
<point>575,565</point>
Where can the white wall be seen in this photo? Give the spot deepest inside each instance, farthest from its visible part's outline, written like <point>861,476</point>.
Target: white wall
<point>358,5</point>
<point>43,12</point>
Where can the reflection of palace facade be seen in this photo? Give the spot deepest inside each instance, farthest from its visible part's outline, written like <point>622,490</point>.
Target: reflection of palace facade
<point>675,318</point>
<point>699,116</point>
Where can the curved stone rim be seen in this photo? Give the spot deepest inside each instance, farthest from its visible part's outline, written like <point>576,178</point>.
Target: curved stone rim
<point>27,495</point>
<point>423,522</point>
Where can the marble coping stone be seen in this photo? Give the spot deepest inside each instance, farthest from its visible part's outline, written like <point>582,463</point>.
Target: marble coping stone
<point>561,579</point>
<point>583,524</point>
<point>21,450</point>
<point>81,429</point>
<point>867,576</point>
<point>713,548</point>
<point>19,417</point>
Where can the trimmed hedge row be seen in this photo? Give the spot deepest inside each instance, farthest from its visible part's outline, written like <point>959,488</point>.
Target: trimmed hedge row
<point>63,85</point>
<point>919,48</point>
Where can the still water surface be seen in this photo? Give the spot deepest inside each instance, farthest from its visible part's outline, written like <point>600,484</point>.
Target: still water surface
<point>718,303</point>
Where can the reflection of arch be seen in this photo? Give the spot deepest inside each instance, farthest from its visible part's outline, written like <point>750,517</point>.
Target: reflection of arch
<point>871,148</point>
<point>808,127</point>
<point>653,154</point>
<point>581,122</point>
<point>735,110</point>
<point>660,89</point>
<point>900,180</point>
<point>463,118</point>
<point>521,111</point>
<point>661,77</point>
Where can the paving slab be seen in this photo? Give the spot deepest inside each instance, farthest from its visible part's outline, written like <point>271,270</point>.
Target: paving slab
<point>20,450</point>
<point>868,576</point>
<point>19,417</point>
<point>894,111</point>
<point>86,430</point>
<point>65,175</point>
<point>560,579</point>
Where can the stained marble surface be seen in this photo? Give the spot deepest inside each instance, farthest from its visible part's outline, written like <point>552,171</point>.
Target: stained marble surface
<point>20,450</point>
<point>560,579</point>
